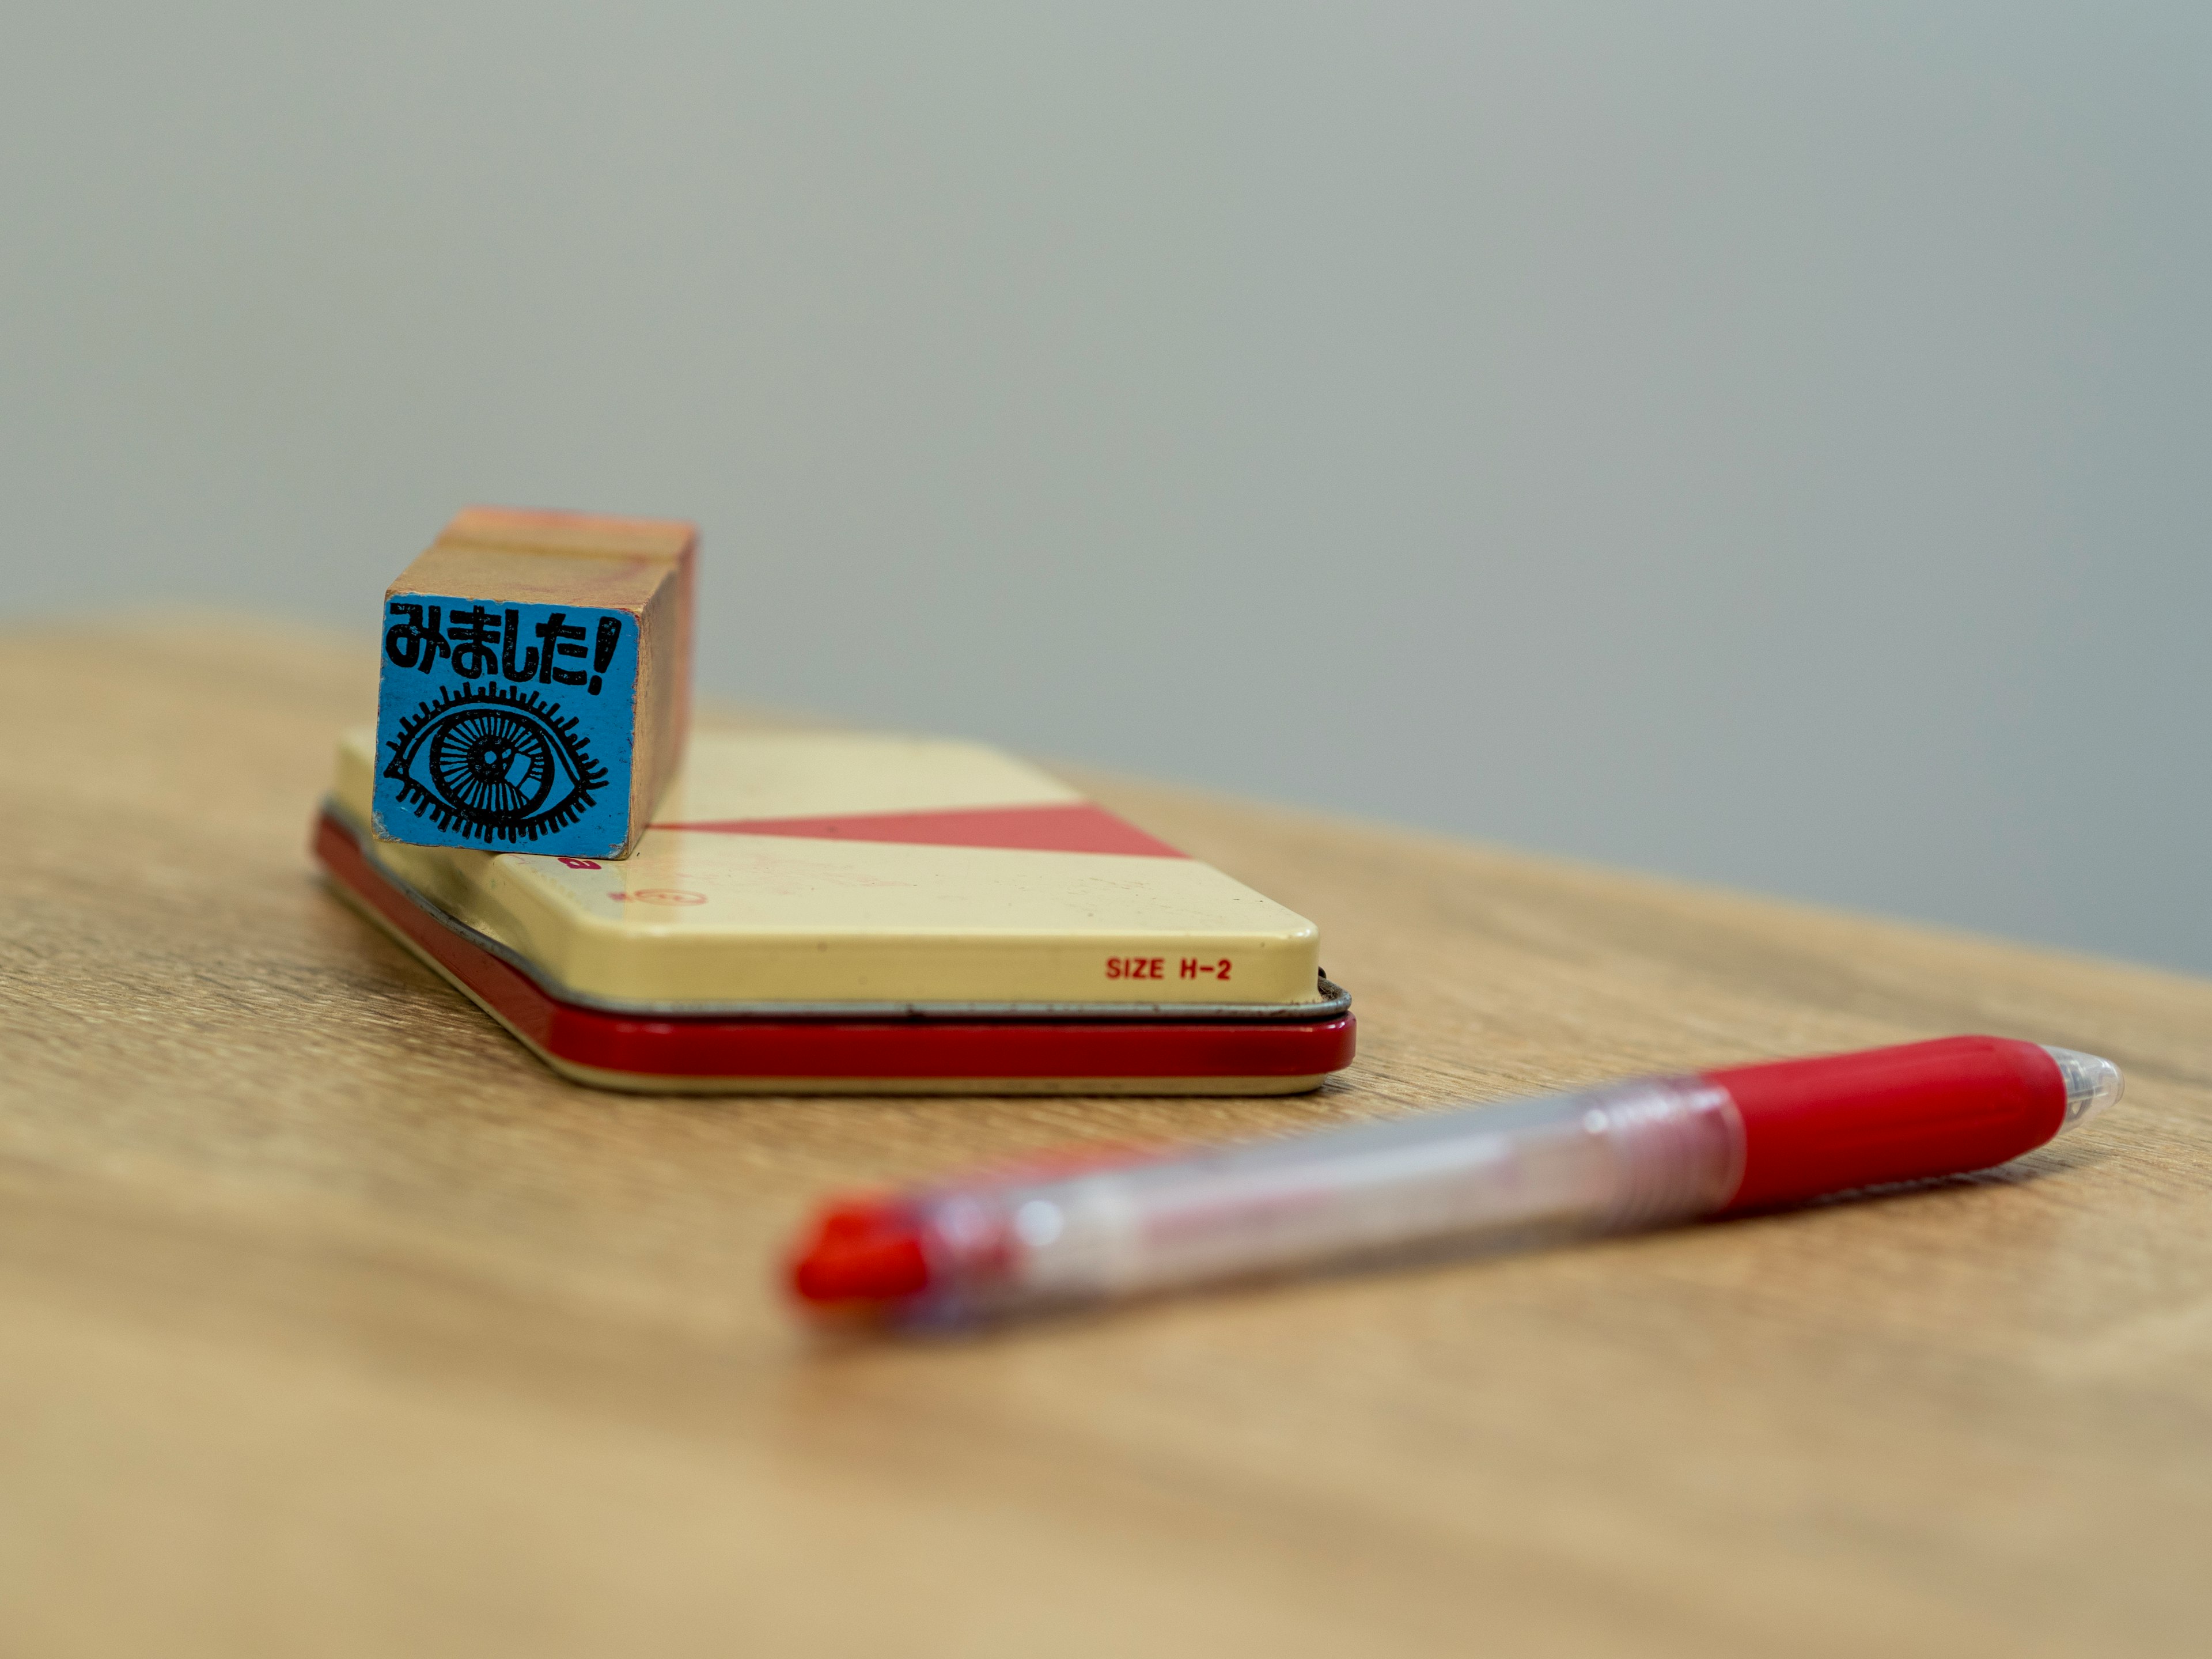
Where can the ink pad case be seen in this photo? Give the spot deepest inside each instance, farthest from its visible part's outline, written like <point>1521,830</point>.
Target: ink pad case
<point>836,912</point>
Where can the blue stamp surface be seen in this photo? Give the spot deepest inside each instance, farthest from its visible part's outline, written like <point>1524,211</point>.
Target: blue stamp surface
<point>507,726</point>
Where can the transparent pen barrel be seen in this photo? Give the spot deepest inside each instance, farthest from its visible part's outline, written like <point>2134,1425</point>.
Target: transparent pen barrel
<point>1631,1155</point>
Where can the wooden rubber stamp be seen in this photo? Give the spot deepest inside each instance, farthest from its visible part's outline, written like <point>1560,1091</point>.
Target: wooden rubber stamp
<point>535,689</point>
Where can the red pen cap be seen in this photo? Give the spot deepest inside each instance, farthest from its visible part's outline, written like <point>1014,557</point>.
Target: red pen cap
<point>1924,1108</point>
<point>862,1251</point>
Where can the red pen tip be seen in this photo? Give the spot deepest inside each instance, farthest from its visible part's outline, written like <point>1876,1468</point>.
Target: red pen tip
<point>861,1252</point>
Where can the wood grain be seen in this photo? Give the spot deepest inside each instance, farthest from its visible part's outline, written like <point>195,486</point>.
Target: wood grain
<point>335,1324</point>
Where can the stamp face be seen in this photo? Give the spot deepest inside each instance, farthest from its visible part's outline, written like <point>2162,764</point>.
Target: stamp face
<point>505,725</point>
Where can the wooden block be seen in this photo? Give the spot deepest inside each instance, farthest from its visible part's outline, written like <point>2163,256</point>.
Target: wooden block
<point>535,684</point>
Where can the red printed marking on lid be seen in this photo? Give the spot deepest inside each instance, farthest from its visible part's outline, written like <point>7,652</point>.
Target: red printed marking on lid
<point>1059,827</point>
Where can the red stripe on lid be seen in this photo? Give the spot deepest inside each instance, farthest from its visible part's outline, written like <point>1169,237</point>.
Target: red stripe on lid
<point>1057,827</point>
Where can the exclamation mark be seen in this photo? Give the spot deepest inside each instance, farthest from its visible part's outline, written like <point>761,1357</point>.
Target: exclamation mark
<point>602,650</point>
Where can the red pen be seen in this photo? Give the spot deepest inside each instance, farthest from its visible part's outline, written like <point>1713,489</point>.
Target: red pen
<point>1628,1155</point>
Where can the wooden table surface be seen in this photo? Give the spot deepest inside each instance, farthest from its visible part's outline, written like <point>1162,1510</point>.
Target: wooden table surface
<point>331,1322</point>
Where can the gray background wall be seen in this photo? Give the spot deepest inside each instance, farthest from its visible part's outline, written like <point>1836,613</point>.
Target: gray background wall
<point>1762,443</point>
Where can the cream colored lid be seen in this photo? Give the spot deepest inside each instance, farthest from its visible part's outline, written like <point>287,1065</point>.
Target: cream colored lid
<point>859,900</point>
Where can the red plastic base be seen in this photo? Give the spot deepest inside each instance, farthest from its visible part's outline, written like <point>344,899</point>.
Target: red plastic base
<point>712,1047</point>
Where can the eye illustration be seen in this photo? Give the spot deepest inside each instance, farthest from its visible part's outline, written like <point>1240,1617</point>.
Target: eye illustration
<point>497,761</point>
